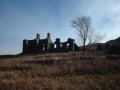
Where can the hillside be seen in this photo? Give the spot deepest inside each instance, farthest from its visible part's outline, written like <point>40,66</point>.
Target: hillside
<point>60,71</point>
<point>114,42</point>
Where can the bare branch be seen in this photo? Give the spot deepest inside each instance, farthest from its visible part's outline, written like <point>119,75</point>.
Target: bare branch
<point>82,24</point>
<point>85,32</point>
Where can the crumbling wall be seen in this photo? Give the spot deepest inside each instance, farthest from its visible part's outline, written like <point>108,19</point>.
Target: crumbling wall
<point>46,45</point>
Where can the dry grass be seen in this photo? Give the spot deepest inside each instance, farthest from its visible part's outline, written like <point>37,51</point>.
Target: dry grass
<point>61,71</point>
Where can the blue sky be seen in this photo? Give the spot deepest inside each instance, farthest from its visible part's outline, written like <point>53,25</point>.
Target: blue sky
<point>22,19</point>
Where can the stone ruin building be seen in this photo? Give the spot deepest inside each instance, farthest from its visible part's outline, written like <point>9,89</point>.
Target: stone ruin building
<point>39,45</point>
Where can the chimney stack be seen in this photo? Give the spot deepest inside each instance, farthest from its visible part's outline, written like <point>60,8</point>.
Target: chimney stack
<point>38,36</point>
<point>48,35</point>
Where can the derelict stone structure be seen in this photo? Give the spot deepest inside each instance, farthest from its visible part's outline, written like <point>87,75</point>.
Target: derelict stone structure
<point>39,45</point>
<point>64,46</point>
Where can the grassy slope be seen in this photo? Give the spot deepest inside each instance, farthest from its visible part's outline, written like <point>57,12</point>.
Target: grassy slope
<point>69,72</point>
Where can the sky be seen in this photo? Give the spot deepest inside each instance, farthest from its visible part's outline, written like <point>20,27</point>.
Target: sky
<point>23,19</point>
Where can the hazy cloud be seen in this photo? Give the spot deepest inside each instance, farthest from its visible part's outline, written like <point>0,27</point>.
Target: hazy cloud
<point>20,19</point>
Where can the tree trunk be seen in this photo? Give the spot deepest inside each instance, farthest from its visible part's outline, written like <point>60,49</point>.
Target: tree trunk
<point>84,49</point>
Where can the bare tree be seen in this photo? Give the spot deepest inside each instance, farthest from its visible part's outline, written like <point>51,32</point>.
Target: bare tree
<point>94,37</point>
<point>85,32</point>
<point>83,25</point>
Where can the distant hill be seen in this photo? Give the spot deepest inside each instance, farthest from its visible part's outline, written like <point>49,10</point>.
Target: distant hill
<point>114,42</point>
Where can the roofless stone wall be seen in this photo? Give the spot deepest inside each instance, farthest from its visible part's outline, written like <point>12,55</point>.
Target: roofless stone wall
<point>39,45</point>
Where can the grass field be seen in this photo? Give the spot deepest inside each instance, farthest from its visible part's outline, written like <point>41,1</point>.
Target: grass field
<point>60,71</point>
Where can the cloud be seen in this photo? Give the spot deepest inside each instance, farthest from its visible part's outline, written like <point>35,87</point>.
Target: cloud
<point>106,17</point>
<point>23,19</point>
